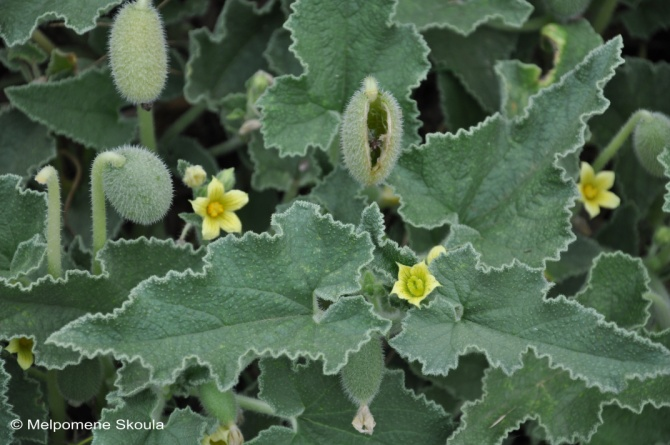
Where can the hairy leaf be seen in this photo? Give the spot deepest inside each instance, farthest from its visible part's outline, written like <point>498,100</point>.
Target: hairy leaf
<point>24,145</point>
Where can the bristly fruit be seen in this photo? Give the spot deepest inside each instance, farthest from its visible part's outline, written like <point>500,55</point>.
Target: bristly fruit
<point>371,133</point>
<point>651,136</point>
<point>138,52</point>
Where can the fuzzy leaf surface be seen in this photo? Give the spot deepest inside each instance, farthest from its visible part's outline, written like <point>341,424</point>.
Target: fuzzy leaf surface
<point>646,19</point>
<point>324,413</point>
<point>664,158</point>
<point>616,289</point>
<point>221,63</point>
<point>184,427</point>
<point>497,184</point>
<point>24,145</point>
<point>48,305</point>
<point>63,105</point>
<point>27,402</point>
<point>503,313</point>
<point>249,310</point>
<point>461,17</point>
<point>18,19</point>
<point>23,216</point>
<point>624,426</point>
<point>6,413</point>
<point>339,44</point>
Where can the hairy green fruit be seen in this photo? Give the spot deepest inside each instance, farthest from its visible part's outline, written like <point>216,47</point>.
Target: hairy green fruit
<point>566,9</point>
<point>371,133</point>
<point>651,136</point>
<point>138,52</point>
<point>363,373</point>
<point>140,190</point>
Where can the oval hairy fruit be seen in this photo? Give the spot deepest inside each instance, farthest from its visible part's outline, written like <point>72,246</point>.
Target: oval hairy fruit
<point>363,373</point>
<point>371,133</point>
<point>651,136</point>
<point>138,52</point>
<point>566,9</point>
<point>140,190</point>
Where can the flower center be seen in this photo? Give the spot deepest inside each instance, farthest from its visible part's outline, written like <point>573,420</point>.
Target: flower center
<point>590,192</point>
<point>26,344</point>
<point>415,286</point>
<point>214,209</point>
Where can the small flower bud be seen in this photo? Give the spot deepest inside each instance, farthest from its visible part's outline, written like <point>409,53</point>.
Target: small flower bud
<point>138,52</point>
<point>194,176</point>
<point>257,85</point>
<point>651,136</point>
<point>363,373</point>
<point>566,9</point>
<point>227,178</point>
<point>141,189</point>
<point>371,133</point>
<point>434,253</point>
<point>364,422</point>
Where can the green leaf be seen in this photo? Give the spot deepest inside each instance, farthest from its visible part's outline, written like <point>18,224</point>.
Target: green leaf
<point>664,158</point>
<point>305,111</point>
<point>27,402</point>
<point>273,171</point>
<point>646,19</point>
<point>29,259</point>
<point>472,59</point>
<point>624,426</point>
<point>61,65</point>
<point>459,108</point>
<point>570,43</point>
<point>568,410</point>
<point>23,216</point>
<point>324,413</point>
<point>462,17</point>
<point>464,382</point>
<point>341,195</point>
<point>575,261</point>
<point>620,232</point>
<point>19,19</point>
<point>617,287</point>
<point>280,59</point>
<point>6,413</point>
<point>387,252</point>
<point>220,64</point>
<point>502,312</point>
<point>260,292</point>
<point>68,108</point>
<point>190,150</point>
<point>175,12</point>
<point>498,180</point>
<point>22,58</point>
<point>184,427</point>
<point>47,305</point>
<point>79,383</point>
<point>24,145</point>
<point>635,86</point>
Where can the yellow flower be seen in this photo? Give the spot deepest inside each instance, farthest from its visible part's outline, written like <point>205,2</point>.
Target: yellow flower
<point>230,435</point>
<point>217,209</point>
<point>194,176</point>
<point>414,283</point>
<point>23,348</point>
<point>434,253</point>
<point>593,189</point>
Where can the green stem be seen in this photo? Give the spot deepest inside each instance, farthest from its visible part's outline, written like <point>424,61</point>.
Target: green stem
<point>292,191</point>
<point>184,233</point>
<point>661,302</point>
<point>99,215</point>
<point>49,176</point>
<point>255,405</point>
<point>32,372</point>
<point>56,407</point>
<point>226,147</point>
<point>618,140</point>
<point>147,132</point>
<point>85,441</point>
<point>43,41</point>
<point>531,25</point>
<point>183,122</point>
<point>222,405</point>
<point>604,9</point>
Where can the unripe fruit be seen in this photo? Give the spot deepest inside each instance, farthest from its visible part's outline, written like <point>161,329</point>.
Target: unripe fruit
<point>141,189</point>
<point>138,52</point>
<point>363,373</point>
<point>371,133</point>
<point>566,9</point>
<point>651,136</point>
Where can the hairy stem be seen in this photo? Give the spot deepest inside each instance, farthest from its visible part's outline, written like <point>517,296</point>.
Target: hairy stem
<point>98,202</point>
<point>147,132</point>
<point>617,141</point>
<point>49,176</point>
<point>183,122</point>
<point>43,41</point>
<point>56,407</point>
<point>603,11</point>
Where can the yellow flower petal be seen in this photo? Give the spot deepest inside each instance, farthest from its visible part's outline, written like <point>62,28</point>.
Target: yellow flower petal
<point>229,222</point>
<point>25,359</point>
<point>604,180</point>
<point>592,208</point>
<point>586,173</point>
<point>414,283</point>
<point>215,190</point>
<point>234,200</point>
<point>434,253</point>
<point>210,228</point>
<point>608,200</point>
<point>200,206</point>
